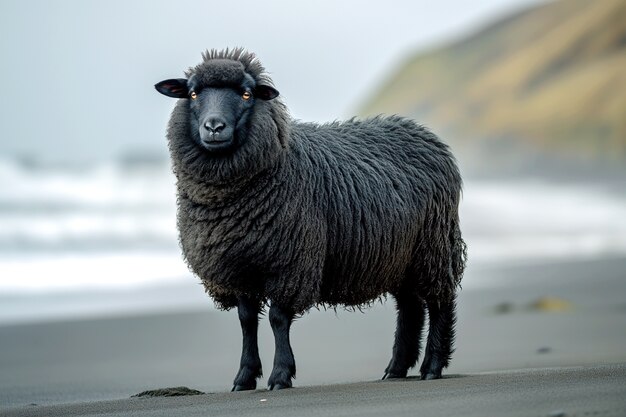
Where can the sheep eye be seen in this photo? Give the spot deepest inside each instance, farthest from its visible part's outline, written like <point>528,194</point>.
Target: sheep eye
<point>246,95</point>
<point>193,95</point>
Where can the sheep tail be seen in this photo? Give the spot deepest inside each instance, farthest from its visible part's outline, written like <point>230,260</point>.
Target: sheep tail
<point>458,253</point>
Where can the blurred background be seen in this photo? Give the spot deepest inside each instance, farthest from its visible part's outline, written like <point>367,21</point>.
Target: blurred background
<point>530,94</point>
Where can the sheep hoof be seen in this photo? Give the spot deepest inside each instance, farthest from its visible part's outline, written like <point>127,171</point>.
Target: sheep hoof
<point>430,375</point>
<point>277,386</point>
<point>393,375</point>
<point>247,387</point>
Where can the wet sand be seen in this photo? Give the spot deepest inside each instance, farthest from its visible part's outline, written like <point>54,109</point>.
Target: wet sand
<point>506,323</point>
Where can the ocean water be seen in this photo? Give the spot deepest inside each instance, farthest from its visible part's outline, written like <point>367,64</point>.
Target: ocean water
<point>81,241</point>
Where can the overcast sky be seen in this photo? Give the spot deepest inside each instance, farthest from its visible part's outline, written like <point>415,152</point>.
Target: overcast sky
<point>77,75</point>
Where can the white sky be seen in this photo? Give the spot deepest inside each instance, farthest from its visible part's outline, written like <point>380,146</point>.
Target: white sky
<point>77,75</point>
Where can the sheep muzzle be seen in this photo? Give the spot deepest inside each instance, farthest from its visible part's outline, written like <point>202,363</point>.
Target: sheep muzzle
<point>216,134</point>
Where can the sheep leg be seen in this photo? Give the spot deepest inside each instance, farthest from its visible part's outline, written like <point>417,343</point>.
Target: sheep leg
<point>442,318</point>
<point>250,365</point>
<point>406,346</point>
<point>284,362</point>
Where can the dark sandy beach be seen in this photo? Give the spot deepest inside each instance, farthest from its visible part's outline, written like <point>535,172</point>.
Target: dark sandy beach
<point>571,348</point>
<point>582,391</point>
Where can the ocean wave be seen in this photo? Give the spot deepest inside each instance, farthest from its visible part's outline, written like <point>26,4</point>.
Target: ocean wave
<point>71,229</point>
<point>107,206</point>
<point>79,271</point>
<point>106,184</point>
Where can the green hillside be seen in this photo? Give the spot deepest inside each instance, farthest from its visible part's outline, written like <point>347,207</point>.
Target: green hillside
<point>547,82</point>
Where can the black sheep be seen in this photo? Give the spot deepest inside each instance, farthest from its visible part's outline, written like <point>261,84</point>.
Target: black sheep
<point>295,215</point>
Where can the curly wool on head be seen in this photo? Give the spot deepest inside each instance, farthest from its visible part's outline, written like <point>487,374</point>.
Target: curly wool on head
<point>229,60</point>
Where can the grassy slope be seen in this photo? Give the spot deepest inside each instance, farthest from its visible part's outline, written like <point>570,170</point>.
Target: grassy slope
<point>551,79</point>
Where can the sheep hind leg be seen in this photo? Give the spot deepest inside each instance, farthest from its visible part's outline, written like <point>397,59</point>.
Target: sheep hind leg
<point>250,365</point>
<point>284,363</point>
<point>439,349</point>
<point>406,347</point>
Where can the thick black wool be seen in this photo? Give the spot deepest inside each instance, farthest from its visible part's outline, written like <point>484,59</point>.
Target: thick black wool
<point>304,214</point>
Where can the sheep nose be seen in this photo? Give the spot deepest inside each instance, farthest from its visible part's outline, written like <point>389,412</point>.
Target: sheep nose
<point>214,125</point>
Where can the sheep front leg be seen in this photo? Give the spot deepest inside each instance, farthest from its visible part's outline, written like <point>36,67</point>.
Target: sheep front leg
<point>284,363</point>
<point>250,365</point>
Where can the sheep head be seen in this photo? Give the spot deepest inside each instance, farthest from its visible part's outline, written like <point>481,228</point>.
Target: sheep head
<point>221,96</point>
<point>227,123</point>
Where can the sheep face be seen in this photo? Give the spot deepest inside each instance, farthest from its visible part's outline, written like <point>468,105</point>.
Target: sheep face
<point>216,114</point>
<point>222,99</point>
<point>228,125</point>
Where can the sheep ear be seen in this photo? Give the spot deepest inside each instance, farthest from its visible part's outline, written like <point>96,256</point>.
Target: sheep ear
<point>265,92</point>
<point>175,87</point>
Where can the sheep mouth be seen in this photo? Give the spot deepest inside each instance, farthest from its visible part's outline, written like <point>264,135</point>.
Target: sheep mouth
<point>217,144</point>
